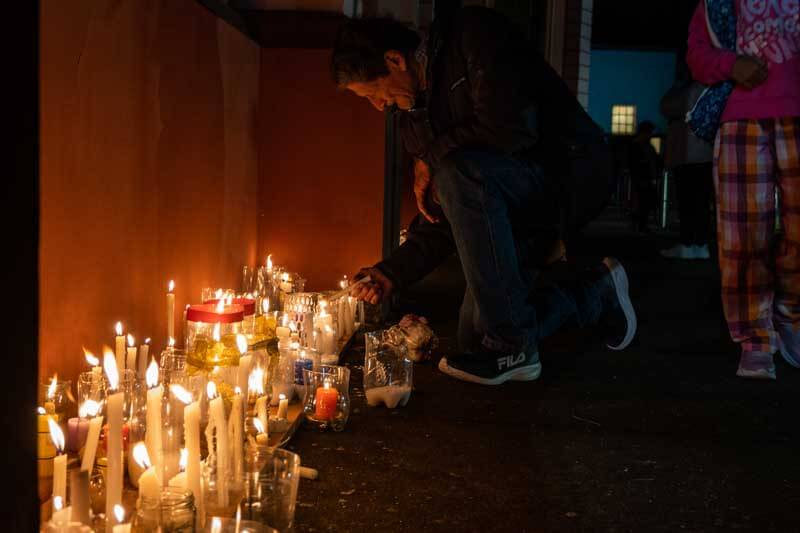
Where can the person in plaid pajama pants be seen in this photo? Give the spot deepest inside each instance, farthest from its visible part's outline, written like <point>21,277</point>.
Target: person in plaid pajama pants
<point>757,151</point>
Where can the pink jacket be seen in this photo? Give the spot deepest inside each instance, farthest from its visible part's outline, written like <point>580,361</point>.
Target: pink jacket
<point>768,29</point>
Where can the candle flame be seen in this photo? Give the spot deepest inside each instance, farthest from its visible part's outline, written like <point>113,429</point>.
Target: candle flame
<point>241,343</point>
<point>220,306</point>
<point>285,277</point>
<point>328,328</point>
<point>284,320</point>
<point>56,434</point>
<point>119,513</point>
<point>89,408</point>
<point>41,410</point>
<point>90,358</point>
<point>216,525</point>
<point>215,334</point>
<point>181,394</point>
<point>58,503</point>
<point>237,390</point>
<point>255,383</point>
<point>118,328</point>
<point>211,390</point>
<point>110,366</point>
<point>281,396</point>
<point>229,300</point>
<point>293,326</point>
<point>171,342</point>
<point>171,286</point>
<point>218,294</point>
<point>131,342</point>
<point>269,263</point>
<point>265,305</point>
<point>51,389</point>
<point>147,340</point>
<point>327,384</point>
<point>151,375</point>
<point>258,425</point>
<point>141,456</point>
<point>184,460</point>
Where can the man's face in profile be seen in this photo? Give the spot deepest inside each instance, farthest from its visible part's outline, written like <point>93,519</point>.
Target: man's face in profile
<point>398,88</point>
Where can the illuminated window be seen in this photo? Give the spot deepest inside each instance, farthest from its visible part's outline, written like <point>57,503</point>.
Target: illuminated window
<point>623,119</point>
<point>655,142</point>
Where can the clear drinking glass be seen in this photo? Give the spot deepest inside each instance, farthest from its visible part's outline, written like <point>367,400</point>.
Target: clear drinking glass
<point>327,396</point>
<point>92,387</point>
<point>174,513</point>
<point>388,373</point>
<point>271,500</point>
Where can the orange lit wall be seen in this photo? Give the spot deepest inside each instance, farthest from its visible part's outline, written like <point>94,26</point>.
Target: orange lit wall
<point>321,169</point>
<point>148,167</point>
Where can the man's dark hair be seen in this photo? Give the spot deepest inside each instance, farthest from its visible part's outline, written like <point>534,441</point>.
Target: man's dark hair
<point>358,54</point>
<point>646,128</point>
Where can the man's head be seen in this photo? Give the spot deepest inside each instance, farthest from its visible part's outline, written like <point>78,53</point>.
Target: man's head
<point>374,58</point>
<point>645,130</point>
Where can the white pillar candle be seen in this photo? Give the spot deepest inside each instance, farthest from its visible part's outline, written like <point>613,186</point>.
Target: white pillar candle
<point>283,407</point>
<point>114,411</point>
<point>191,435</point>
<point>216,414</point>
<point>262,412</point>
<point>95,425</point>
<point>144,351</point>
<point>153,429</point>
<point>59,462</point>
<point>179,481</point>
<point>149,485</point>
<point>171,310</point>
<point>130,361</point>
<point>236,441</point>
<point>119,346</point>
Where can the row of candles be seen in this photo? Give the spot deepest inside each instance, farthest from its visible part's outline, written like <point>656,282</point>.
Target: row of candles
<point>225,435</point>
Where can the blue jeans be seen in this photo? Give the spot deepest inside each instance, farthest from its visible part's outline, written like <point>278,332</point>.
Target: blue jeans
<point>480,194</point>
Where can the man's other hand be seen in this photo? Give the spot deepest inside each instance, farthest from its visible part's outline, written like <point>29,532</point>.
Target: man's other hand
<point>422,184</point>
<point>374,291</point>
<point>749,71</point>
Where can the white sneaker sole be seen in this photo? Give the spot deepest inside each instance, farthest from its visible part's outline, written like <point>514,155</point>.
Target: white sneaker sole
<point>523,373</point>
<point>620,279</point>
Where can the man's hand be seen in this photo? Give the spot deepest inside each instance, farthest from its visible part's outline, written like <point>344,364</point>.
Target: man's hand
<point>749,71</point>
<point>374,291</point>
<point>422,184</point>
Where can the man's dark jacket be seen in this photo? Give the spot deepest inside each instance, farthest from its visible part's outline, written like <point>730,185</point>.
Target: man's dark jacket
<point>489,89</point>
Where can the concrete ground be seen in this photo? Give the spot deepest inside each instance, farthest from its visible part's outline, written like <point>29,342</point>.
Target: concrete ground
<point>660,437</point>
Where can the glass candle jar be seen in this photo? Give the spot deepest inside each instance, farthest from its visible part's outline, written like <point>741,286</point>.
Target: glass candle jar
<point>388,373</point>
<point>327,396</point>
<point>211,335</point>
<point>174,513</point>
<point>249,318</point>
<point>55,396</point>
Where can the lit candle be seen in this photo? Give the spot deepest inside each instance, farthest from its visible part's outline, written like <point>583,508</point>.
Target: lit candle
<point>283,332</point>
<point>191,435</point>
<point>179,480</point>
<point>218,423</point>
<point>269,264</point>
<point>94,362</point>
<point>130,363</point>
<point>216,525</point>
<point>262,437</point>
<point>144,351</point>
<point>328,340</point>
<point>245,363</point>
<point>60,461</point>
<point>283,406</point>
<point>149,486</point>
<point>235,424</point>
<point>91,408</point>
<point>61,515</point>
<point>119,514</point>
<point>256,388</point>
<point>326,399</point>
<point>119,346</point>
<point>171,309</point>
<point>114,412</point>
<point>153,430</point>
<point>50,404</point>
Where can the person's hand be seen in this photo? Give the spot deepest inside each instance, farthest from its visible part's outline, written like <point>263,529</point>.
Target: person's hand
<point>422,183</point>
<point>374,291</point>
<point>749,71</point>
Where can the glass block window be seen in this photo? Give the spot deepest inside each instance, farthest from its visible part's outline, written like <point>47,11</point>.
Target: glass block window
<point>623,119</point>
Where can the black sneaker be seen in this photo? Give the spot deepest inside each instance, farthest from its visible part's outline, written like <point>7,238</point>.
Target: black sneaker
<point>620,318</point>
<point>492,368</point>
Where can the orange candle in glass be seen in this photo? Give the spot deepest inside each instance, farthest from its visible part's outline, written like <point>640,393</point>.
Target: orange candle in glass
<point>326,398</point>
